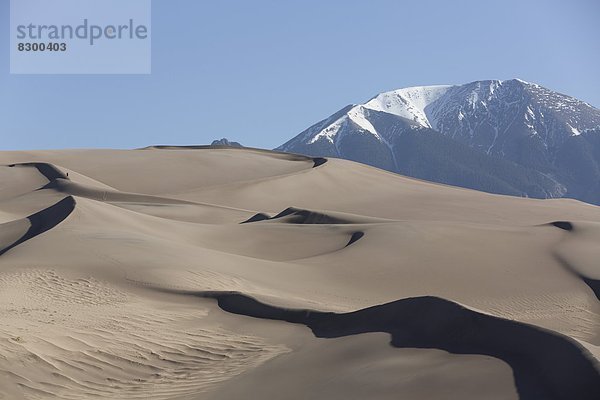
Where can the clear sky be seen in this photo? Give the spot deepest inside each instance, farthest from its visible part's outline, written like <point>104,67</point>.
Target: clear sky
<point>260,72</point>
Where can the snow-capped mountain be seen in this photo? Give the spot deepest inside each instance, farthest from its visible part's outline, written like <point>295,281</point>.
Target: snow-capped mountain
<point>500,136</point>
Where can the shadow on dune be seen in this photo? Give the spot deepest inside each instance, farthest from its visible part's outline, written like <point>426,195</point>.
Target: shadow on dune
<point>45,220</point>
<point>256,218</point>
<point>49,171</point>
<point>299,216</point>
<point>356,236</point>
<point>593,284</point>
<point>546,365</point>
<point>319,161</point>
<point>292,215</point>
<point>564,225</point>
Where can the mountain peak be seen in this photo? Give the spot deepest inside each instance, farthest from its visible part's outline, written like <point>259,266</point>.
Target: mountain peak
<point>522,81</point>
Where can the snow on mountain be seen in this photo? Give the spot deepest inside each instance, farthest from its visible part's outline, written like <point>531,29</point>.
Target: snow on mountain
<point>519,122</point>
<point>329,131</point>
<point>409,103</point>
<point>484,114</point>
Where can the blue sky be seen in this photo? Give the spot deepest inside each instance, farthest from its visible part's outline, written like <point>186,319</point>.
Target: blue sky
<point>260,72</point>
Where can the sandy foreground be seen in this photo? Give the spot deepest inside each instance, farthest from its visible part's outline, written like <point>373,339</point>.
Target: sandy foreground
<point>218,273</point>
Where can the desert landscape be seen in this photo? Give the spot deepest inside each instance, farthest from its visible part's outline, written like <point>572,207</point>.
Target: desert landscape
<point>226,273</point>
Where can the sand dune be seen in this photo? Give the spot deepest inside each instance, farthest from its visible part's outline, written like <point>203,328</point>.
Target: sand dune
<point>545,365</point>
<point>211,272</point>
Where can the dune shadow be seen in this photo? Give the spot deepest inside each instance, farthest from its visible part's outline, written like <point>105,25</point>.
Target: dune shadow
<point>564,225</point>
<point>546,365</point>
<point>256,218</point>
<point>318,161</point>
<point>593,284</point>
<point>300,216</point>
<point>356,236</point>
<point>49,171</point>
<point>293,215</point>
<point>45,220</point>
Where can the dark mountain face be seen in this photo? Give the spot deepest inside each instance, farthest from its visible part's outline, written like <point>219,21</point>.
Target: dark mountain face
<point>507,137</point>
<point>577,164</point>
<point>522,122</point>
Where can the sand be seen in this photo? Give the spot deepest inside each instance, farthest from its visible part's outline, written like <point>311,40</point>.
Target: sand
<point>223,273</point>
